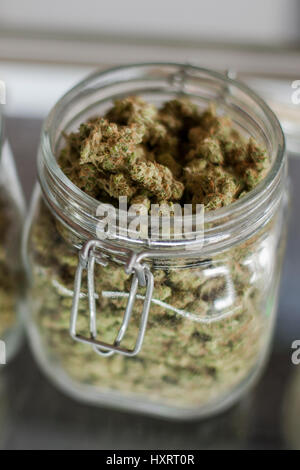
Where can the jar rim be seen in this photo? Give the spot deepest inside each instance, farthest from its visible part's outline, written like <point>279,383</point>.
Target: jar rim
<point>47,159</point>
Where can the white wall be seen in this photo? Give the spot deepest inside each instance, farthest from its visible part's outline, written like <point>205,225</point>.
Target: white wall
<point>243,20</point>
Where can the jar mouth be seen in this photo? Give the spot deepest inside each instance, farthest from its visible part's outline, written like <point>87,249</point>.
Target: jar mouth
<point>220,224</point>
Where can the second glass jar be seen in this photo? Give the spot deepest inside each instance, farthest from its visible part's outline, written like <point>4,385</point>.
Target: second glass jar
<point>11,221</point>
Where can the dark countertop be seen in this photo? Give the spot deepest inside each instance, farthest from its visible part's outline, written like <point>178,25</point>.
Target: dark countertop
<point>38,416</point>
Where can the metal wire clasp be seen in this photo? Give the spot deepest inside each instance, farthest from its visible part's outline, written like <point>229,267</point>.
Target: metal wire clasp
<point>141,276</point>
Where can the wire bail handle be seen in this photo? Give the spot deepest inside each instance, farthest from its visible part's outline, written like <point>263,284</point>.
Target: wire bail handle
<point>141,276</point>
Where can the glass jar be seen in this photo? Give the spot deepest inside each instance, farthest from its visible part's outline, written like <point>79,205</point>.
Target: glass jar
<point>11,221</point>
<point>198,332</point>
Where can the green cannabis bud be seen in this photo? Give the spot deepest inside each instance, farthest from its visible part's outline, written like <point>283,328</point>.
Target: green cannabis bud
<point>176,153</point>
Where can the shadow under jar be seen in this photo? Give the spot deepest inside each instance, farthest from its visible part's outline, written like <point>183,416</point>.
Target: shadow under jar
<point>207,332</point>
<point>11,222</point>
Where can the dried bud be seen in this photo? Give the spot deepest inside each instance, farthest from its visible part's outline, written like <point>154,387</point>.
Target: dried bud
<point>176,153</point>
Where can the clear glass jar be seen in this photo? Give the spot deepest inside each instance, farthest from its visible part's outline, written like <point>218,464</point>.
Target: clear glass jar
<point>11,221</point>
<point>212,310</point>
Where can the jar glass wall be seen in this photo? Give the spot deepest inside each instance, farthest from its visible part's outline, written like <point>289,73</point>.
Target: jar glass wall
<point>212,310</point>
<point>11,220</point>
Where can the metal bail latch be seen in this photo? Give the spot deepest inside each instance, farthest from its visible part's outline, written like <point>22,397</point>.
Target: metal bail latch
<point>141,276</point>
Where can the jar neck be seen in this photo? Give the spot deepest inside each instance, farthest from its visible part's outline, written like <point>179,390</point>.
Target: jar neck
<point>222,230</point>
<point>223,227</point>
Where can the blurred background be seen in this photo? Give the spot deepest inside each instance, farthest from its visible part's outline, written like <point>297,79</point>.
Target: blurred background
<point>45,48</point>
